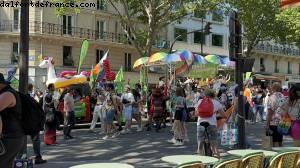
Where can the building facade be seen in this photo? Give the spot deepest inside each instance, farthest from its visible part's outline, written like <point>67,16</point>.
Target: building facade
<point>214,43</point>
<point>60,37</point>
<point>282,61</point>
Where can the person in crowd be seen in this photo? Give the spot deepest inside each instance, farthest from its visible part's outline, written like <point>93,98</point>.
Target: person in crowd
<point>292,108</point>
<point>36,140</point>
<point>275,109</point>
<point>136,109</point>
<point>258,100</point>
<point>97,112</point>
<point>118,106</point>
<point>248,96</point>
<point>179,118</point>
<point>127,101</point>
<point>161,82</point>
<point>212,128</point>
<point>51,117</point>
<point>69,115</point>
<point>157,109</point>
<point>109,110</point>
<point>13,137</point>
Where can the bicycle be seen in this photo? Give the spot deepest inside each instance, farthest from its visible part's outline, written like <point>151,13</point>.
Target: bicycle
<point>206,142</point>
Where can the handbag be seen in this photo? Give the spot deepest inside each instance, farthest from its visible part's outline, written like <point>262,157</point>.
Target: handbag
<point>284,126</point>
<point>229,135</point>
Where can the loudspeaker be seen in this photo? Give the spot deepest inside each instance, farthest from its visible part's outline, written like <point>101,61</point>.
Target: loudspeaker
<point>248,64</point>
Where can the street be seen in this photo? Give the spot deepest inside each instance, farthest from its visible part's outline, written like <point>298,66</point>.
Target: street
<point>143,149</point>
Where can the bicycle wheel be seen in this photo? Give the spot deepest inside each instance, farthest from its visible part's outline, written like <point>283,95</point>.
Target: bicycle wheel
<point>206,146</point>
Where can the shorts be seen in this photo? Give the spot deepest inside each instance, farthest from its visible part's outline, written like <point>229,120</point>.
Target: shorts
<point>276,137</point>
<point>212,132</point>
<point>109,118</point>
<point>127,112</point>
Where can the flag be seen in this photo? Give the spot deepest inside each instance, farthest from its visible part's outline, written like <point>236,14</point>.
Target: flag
<point>119,76</point>
<point>101,74</point>
<point>99,66</point>
<point>119,81</point>
<point>92,78</point>
<point>83,53</point>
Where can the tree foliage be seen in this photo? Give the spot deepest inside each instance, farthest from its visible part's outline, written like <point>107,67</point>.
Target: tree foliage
<point>289,22</point>
<point>258,18</point>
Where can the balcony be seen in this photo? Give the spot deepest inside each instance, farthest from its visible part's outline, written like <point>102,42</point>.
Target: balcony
<point>44,28</point>
<point>277,49</point>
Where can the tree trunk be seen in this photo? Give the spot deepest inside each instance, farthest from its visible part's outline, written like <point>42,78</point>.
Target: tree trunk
<point>24,47</point>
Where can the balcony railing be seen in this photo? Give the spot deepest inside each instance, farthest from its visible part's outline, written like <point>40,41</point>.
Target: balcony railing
<point>278,49</point>
<point>44,28</point>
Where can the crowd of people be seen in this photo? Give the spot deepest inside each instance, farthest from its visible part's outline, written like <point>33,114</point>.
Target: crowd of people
<point>179,101</point>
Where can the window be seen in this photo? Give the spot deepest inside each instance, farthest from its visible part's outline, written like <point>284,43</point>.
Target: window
<point>199,37</point>
<point>199,14</point>
<point>15,53</point>
<point>67,24</point>
<point>289,68</point>
<point>217,40</point>
<point>127,61</point>
<point>99,55</point>
<point>101,5</point>
<point>67,56</point>
<point>276,70</point>
<point>100,29</point>
<point>16,22</point>
<point>182,32</point>
<point>218,15</point>
<point>262,65</point>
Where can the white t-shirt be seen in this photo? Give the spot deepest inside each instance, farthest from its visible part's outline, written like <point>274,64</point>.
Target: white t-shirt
<point>128,96</point>
<point>213,119</point>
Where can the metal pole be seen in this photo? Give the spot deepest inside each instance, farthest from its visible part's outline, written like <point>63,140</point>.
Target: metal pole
<point>202,35</point>
<point>24,47</point>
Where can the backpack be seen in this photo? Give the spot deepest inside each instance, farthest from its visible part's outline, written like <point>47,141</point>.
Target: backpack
<point>206,108</point>
<point>33,117</point>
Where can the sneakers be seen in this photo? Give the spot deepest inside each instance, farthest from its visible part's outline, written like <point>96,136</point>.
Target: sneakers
<point>178,143</point>
<point>116,134</point>
<point>173,140</point>
<point>105,137</point>
<point>124,131</point>
<point>39,160</point>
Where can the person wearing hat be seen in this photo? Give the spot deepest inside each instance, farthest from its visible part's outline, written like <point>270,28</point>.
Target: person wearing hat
<point>12,136</point>
<point>127,100</point>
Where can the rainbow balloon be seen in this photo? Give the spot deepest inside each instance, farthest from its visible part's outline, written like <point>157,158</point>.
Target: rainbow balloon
<point>214,59</point>
<point>157,57</point>
<point>140,61</point>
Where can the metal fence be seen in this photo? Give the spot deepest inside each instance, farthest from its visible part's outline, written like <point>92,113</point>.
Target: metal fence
<point>278,49</point>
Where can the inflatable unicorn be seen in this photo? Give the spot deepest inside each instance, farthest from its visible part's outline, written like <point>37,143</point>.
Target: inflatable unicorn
<point>65,79</point>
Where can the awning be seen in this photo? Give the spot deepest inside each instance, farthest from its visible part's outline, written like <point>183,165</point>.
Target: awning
<point>266,77</point>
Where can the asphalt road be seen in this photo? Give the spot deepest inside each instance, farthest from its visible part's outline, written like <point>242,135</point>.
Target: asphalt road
<point>141,149</point>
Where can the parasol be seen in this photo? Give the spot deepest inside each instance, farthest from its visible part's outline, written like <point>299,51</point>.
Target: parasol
<point>214,59</point>
<point>157,57</point>
<point>199,59</point>
<point>140,61</point>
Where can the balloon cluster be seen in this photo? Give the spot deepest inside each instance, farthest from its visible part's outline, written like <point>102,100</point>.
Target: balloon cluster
<point>109,75</point>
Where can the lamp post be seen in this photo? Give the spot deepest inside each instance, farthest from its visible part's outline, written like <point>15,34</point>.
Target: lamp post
<point>24,47</point>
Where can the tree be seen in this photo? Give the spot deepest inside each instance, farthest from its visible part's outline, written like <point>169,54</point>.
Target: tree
<point>258,18</point>
<point>143,20</point>
<point>289,21</point>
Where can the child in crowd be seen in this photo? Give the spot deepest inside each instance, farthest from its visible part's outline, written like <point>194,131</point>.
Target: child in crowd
<point>109,111</point>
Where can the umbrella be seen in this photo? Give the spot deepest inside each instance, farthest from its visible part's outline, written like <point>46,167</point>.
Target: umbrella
<point>225,61</point>
<point>157,57</point>
<point>140,61</point>
<point>179,56</point>
<point>199,59</point>
<point>214,59</point>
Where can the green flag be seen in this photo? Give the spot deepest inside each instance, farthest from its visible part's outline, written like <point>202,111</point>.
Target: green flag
<point>92,78</point>
<point>119,81</point>
<point>83,53</point>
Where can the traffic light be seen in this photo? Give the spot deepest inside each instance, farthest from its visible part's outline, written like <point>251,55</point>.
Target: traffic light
<point>207,28</point>
<point>235,37</point>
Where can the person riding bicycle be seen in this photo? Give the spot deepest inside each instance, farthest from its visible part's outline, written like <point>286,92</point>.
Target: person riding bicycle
<point>206,110</point>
